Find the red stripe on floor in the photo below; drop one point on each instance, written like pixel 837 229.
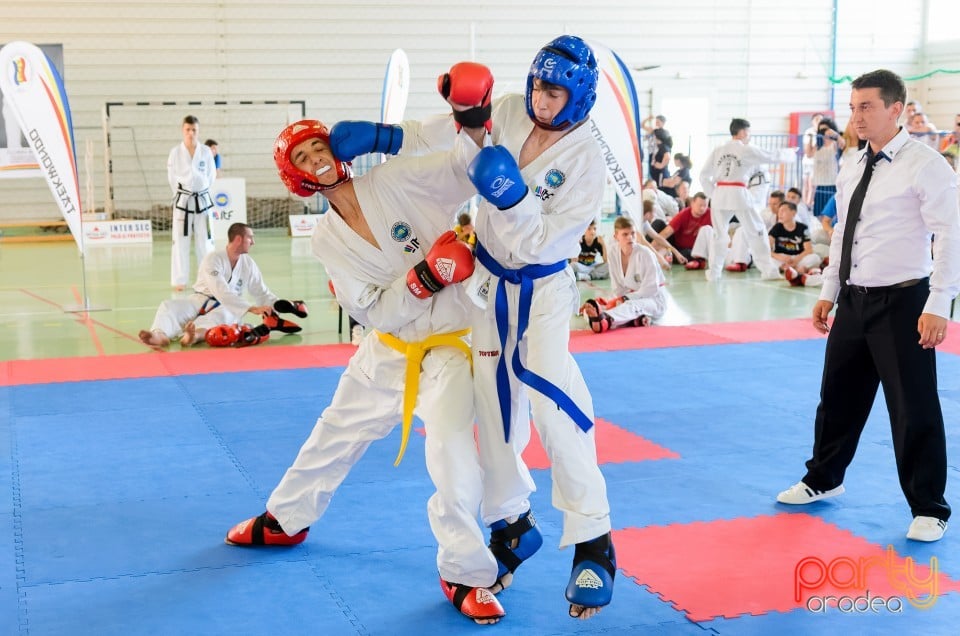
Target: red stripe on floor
pixel 584 341
pixel 274 357
pixel 614 446
pixel 763 330
pixel 173 363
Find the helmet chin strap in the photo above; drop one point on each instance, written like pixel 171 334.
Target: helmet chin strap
pixel 549 127
pixel 540 124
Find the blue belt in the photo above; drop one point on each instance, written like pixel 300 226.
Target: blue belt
pixel 523 277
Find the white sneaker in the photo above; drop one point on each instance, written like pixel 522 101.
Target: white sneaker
pixel 800 493
pixel 927 529
pixel 356 335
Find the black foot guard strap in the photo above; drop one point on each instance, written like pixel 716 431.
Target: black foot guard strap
pixel 600 551
pixel 500 541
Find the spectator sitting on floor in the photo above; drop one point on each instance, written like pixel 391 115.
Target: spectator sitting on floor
pixel 664 205
pixel 790 243
pixel 591 263
pixel 804 215
pixel 819 235
pixel 691 231
pixel 738 258
pixel 666 252
pixel 637 281
pixel 813 276
pixel 772 212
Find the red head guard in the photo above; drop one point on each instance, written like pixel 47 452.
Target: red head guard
pixel 222 335
pixel 298 181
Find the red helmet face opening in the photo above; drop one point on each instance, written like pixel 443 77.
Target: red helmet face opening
pixel 298 181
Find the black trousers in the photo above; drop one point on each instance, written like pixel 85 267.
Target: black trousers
pixel 873 342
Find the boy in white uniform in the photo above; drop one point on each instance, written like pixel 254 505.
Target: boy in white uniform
pixel 541 186
pixel 389 251
pixel 638 284
pixel 191 172
pixel 725 176
pixel 528 226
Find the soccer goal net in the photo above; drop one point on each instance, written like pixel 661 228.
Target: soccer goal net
pixel 138 138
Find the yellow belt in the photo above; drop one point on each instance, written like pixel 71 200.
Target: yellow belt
pixel 415 351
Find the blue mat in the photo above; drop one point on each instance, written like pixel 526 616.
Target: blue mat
pixel 116 496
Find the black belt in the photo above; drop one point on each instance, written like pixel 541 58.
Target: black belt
pixel 201 203
pixel 860 289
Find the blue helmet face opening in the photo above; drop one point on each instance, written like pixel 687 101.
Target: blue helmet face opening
pixel 568 62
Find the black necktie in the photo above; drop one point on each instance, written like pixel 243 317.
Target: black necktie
pixel 853 215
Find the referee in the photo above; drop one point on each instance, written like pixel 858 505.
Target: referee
pixel 893 297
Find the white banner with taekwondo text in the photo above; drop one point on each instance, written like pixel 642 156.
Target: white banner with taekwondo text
pixel 34 92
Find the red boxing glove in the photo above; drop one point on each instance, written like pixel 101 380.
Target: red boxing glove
pixel 448 261
pixel 468 84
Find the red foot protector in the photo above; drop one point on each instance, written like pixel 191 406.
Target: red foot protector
pixel 477 603
pixel 276 323
pixel 774 563
pixel 263 530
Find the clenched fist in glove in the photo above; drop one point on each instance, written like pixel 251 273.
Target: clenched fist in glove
pixel 349 139
pixel 468 84
pixel 448 261
pixel 496 175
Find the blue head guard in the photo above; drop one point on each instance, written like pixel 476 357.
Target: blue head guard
pixel 569 62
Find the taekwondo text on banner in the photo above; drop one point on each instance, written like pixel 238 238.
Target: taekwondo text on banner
pixel 36 96
pixel 615 122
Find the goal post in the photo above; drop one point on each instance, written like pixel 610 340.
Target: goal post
pixel 138 137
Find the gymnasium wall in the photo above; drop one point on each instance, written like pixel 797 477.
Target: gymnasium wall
pixel 756 58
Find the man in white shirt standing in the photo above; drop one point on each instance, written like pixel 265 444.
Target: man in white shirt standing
pixel 893 300
pixel 190 171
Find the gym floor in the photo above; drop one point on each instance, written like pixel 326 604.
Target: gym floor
pixel 121 469
pixel 43 285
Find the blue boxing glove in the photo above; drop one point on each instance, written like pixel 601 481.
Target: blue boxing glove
pixel 496 175
pixel 348 139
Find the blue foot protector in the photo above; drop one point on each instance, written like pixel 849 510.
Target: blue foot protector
pixel 512 544
pixel 594 566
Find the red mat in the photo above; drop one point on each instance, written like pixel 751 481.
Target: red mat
pixel 693 335
pixel 271 357
pixel 614 446
pixel 771 563
pixel 172 363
